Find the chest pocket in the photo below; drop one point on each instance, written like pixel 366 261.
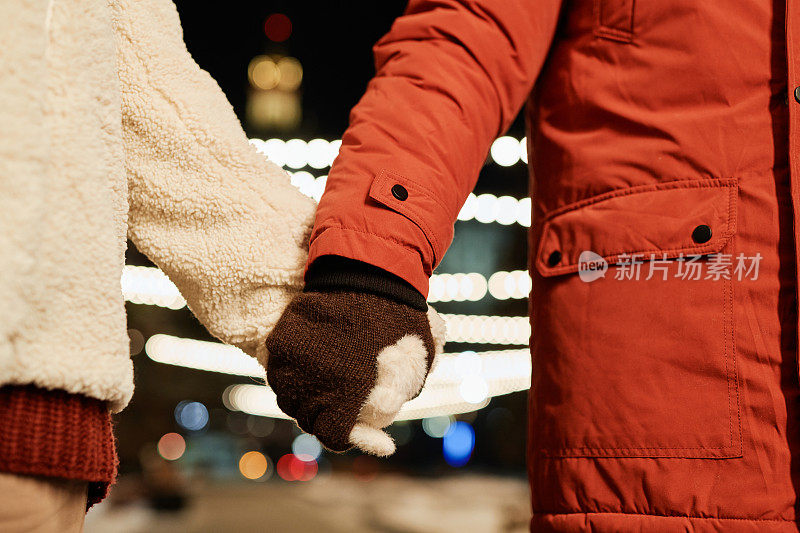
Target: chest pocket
pixel 614 19
pixel 639 366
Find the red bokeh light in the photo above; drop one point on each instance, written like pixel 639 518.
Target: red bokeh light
pixel 292 468
pixel 278 27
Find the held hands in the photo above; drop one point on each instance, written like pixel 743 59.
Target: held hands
pixel 343 363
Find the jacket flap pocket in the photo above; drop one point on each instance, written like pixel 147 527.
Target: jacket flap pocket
pixel 692 217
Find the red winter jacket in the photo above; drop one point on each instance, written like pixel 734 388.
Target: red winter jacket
pixel 658 131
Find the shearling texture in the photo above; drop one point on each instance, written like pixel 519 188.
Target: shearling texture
pixel 102 106
pixel 221 221
pixel 70 333
pixel 343 363
pixel 401 372
pixel 23 164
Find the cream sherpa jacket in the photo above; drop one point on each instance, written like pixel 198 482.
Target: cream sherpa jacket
pixel 108 128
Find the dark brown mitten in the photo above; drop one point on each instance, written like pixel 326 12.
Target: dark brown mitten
pixel 343 363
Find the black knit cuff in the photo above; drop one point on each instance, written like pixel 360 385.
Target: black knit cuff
pixel 335 273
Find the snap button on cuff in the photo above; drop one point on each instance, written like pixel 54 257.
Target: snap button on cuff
pixel 701 234
pixel 399 192
pixel 554 259
pixel 797 93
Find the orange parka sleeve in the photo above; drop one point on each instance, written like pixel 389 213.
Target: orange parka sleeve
pixel 451 76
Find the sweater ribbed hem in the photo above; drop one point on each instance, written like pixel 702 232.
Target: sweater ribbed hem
pixel 53 433
pixel 336 273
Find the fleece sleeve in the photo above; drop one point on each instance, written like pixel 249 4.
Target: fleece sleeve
pixel 451 76
pixel 217 217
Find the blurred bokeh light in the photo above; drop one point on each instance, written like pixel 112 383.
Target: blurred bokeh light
pixel 171 446
pixel 458 443
pixel 253 465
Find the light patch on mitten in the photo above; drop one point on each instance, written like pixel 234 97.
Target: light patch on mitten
pixel 401 371
pixel 372 440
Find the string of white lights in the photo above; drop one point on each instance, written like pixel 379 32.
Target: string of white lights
pixel 457 287
pixel 202 355
pixel 218 357
pixel 297 153
pixel 319 153
pixel 473 286
pixel 505 210
pixel 150 286
pixel 515 284
pixel 488 329
pixel 225 359
pixel 459 383
pixel 311 186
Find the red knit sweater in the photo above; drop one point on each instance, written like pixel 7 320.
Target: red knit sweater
pixel 56 434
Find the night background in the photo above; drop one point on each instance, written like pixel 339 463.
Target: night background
pixel 255 51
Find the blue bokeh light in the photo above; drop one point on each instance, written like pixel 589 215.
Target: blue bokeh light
pixel 306 447
pixel 191 415
pixel 458 443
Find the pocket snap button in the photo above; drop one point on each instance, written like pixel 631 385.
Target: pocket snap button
pixel 554 259
pixel 701 234
pixel 399 192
